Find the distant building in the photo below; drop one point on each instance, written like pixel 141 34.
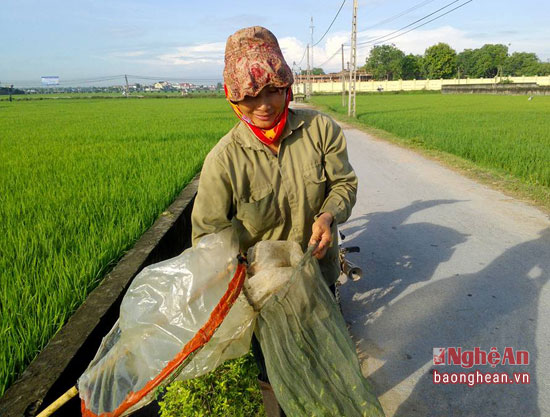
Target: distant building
pixel 162 85
pixel 333 77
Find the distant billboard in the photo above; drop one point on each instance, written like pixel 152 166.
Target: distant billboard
pixel 50 80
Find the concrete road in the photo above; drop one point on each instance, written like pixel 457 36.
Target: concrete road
pixel 448 263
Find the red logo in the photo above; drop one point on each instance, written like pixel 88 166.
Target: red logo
pixel 439 356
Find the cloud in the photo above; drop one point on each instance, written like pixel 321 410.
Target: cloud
pixel 200 61
pixel 416 42
pixel 207 58
pixel 508 32
pixel 206 53
pixel 295 50
pixel 129 54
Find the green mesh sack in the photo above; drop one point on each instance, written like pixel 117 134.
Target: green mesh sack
pixel 310 357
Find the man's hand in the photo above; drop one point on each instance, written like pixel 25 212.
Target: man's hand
pixel 322 234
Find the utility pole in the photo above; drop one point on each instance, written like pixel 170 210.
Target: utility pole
pixel 127 86
pixel 308 81
pixel 343 79
pixel 295 84
pixel 311 27
pixel 11 91
pixel 348 90
pixel 353 59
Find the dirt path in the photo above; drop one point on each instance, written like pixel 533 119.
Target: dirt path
pixel 448 263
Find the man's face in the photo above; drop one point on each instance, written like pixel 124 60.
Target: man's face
pixel 263 109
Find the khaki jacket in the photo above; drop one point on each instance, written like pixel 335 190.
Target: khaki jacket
pixel 277 197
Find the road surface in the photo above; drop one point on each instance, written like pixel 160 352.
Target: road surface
pixel 448 263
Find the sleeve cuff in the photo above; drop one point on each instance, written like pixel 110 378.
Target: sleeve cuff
pixel 334 208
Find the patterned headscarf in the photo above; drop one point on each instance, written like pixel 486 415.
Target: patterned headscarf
pixel 253 59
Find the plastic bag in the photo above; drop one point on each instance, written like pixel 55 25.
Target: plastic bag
pixel 271 265
pixel 171 305
pixel 169 327
pixel 310 357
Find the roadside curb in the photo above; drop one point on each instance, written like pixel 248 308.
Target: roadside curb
pixel 66 356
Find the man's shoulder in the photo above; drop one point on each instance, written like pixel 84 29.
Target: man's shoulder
pixel 311 116
pixel 224 146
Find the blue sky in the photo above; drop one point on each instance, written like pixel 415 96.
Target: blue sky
pixel 86 39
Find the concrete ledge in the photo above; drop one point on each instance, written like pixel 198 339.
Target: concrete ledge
pixel 67 355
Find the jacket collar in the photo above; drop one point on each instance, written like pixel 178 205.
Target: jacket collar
pixel 243 135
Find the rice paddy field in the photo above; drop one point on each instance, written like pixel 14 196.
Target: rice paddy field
pixel 506 134
pixel 80 182
pixel 117 94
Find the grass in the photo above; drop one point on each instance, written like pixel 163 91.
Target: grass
pixel 81 181
pixel 503 138
pixel 118 95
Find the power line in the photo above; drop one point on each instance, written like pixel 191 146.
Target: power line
pixel 425 23
pixel 92 80
pixel 304 54
pixel 403 13
pixel 96 78
pixel 410 24
pixel 75 82
pixel 331 58
pixel 150 77
pixel 416 27
pixel 333 20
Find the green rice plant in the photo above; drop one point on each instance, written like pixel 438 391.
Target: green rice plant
pixel 509 134
pixel 113 94
pixel 80 182
pixel 230 390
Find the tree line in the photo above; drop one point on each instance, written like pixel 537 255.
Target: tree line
pixel 386 62
pixel 5 91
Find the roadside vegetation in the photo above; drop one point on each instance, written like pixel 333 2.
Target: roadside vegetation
pixel 387 62
pixel 506 137
pixel 81 181
pixel 230 390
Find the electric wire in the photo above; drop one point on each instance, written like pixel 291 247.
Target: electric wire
pixel 120 77
pixel 333 20
pixel 371 41
pixel 322 37
pixel 88 81
pixel 300 63
pixel 397 16
pixel 409 25
pixel 330 59
pixel 95 78
pixel 425 23
pixel 149 77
